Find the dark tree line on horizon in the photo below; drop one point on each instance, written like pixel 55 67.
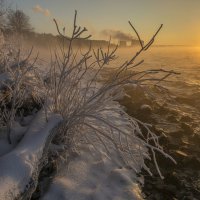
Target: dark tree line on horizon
pixel 14 21
pixel 17 22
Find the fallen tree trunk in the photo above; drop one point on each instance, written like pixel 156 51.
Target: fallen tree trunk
pixel 19 169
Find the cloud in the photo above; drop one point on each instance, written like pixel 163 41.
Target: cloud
pixel 115 34
pixel 38 9
pixel 47 12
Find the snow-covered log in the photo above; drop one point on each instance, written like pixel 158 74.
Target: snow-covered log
pixel 20 168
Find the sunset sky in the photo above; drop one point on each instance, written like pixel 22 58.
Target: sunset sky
pixel 181 18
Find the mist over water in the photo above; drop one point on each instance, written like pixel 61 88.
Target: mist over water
pixel 175 113
pixel 184 60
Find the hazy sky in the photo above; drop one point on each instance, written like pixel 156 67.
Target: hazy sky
pixel 181 18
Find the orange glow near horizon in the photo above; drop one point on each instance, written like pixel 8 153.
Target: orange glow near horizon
pixel 181 18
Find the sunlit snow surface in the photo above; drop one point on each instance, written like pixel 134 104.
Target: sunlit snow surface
pixel 92 174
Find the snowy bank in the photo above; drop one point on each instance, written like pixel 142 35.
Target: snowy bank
pixel 94 177
pixel 92 172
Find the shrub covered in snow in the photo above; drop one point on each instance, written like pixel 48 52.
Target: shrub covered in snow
pixel 19 85
pixel 87 102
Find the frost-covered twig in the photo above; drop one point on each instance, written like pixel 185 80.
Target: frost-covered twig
pixel 19 85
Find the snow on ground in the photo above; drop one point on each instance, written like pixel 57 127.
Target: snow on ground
pixel 93 177
pixel 93 174
pixel 17 132
pixel 5 147
pixel 17 166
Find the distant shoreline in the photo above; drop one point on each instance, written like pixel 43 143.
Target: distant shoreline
pixel 174 46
